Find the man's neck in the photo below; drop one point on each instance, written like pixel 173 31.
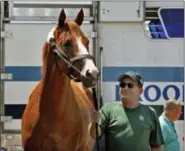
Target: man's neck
pixel 130 104
pixel 168 117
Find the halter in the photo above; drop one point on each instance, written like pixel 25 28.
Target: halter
pixel 68 60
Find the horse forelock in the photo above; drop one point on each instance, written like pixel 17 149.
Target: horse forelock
pixel 70 31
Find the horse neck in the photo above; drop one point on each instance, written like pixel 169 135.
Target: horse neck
pixel 53 87
pixel 59 90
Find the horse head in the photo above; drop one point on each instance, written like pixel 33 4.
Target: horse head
pixel 70 46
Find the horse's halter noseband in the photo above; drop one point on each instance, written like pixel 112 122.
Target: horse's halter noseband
pixel 68 60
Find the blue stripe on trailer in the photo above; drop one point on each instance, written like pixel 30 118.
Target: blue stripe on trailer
pixel 110 74
pixel 154 74
pixel 16 110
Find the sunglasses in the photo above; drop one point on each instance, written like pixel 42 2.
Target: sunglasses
pixel 129 85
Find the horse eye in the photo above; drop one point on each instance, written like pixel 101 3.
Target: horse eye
pixel 67 44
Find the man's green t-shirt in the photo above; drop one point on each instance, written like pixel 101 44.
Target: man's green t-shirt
pixel 130 129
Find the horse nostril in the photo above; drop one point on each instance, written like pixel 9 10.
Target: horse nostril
pixel 88 74
pixel 92 74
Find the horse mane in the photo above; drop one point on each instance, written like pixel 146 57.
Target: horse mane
pixel 47 68
pixel 47 60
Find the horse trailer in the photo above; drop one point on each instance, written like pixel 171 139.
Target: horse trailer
pixel 144 36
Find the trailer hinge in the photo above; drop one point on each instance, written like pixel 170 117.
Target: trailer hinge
pixel 6 34
pixel 6 118
pixel 93 34
pixel 6 76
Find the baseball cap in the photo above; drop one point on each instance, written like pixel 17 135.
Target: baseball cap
pixel 134 75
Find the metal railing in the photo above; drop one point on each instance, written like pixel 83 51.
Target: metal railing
pixel 48 11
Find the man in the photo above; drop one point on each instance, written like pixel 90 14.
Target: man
pixel 172 112
pixel 128 125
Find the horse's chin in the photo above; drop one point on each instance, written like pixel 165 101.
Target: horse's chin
pixel 88 83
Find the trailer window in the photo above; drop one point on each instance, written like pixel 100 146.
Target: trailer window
pixel 156 30
pixel 152 25
pixel 172 20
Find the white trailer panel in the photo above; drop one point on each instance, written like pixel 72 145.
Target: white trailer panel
pixel 121 11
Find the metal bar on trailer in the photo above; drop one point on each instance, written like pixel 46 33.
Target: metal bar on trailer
pixel 12 131
pixel 50 5
pixel 91 0
pixel 95 43
pixel 1 65
pixel 54 1
pixel 97 52
pixel 44 18
pixel 38 22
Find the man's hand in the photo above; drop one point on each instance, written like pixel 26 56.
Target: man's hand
pixel 95 118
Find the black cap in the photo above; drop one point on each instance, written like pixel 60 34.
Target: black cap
pixel 134 75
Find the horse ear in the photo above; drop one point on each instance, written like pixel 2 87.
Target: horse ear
pixel 80 17
pixel 61 18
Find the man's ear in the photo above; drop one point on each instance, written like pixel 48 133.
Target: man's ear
pixel 140 90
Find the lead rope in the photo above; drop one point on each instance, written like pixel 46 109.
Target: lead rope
pixel 96 108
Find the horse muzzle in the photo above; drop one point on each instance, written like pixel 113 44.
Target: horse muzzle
pixel 92 74
pixel 88 83
pixel 90 78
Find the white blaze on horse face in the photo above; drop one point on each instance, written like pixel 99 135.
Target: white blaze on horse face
pixel 89 64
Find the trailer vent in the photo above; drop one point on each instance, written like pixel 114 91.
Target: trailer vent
pixel 151 13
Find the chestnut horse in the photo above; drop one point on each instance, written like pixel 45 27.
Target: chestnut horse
pixel 57 115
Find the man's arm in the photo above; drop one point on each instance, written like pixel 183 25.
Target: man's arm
pixel 157 148
pixel 100 117
pixel 156 135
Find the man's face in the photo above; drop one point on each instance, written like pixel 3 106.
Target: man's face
pixel 130 90
pixel 177 113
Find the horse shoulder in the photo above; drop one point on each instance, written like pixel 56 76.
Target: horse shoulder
pixel 31 113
